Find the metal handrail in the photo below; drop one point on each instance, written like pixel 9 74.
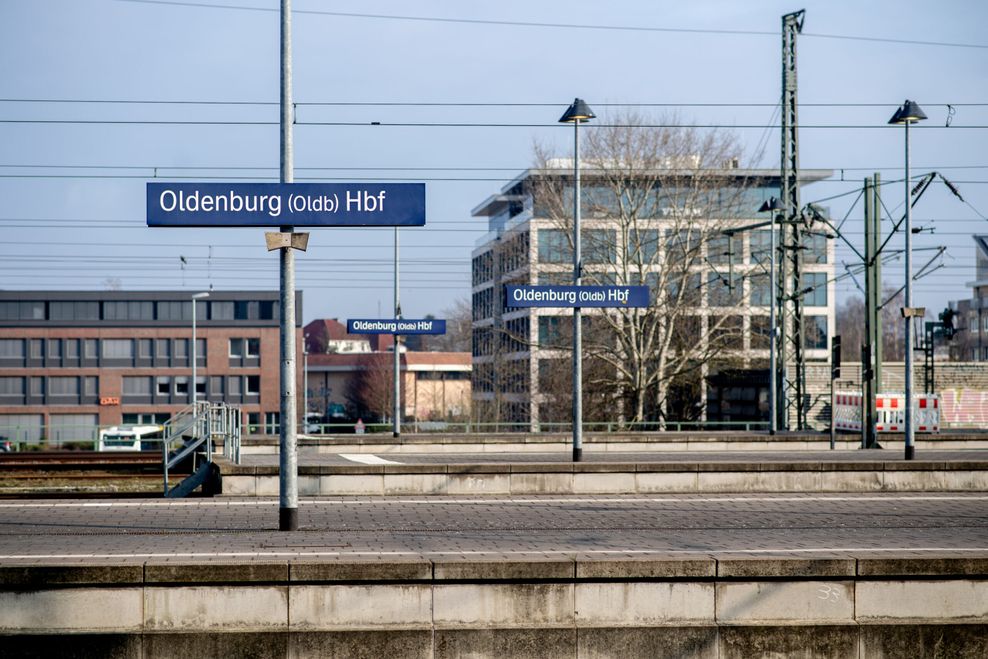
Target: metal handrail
pixel 205 420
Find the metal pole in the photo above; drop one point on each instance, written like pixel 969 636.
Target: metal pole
pixel 397 356
pixel 908 407
pixel 577 327
pixel 288 458
pixel 773 369
pixel 194 356
pixel 305 385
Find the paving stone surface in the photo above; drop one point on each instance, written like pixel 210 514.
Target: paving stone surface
pixel 437 527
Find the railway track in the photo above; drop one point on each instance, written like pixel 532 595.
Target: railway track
pixel 75 474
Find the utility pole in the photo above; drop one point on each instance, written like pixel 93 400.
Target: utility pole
pixel 792 327
pixel 868 438
pixel 396 432
pixel 288 457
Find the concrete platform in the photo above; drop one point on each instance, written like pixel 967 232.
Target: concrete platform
pixel 885 575
pixel 572 607
pixel 322 473
pixel 621 442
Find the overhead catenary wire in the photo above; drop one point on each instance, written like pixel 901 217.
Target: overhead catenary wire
pixel 553 25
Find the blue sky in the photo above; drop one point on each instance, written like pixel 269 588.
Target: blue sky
pixel 83 226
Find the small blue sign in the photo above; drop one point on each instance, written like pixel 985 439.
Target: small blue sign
pixel 396 326
pixel 576 296
pixel 285 204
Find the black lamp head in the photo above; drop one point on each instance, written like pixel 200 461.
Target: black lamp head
pixel 579 111
pixel 772 204
pixel 910 112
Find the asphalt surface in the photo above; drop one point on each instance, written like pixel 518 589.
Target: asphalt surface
pixel 134 531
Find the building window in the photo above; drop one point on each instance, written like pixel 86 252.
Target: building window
pixel 724 249
pixel 721 293
pixel 128 310
pixel 235 386
pixel 760 244
pixel 181 385
pixel 164 348
pixel 74 310
pixel 63 386
pixel 90 385
pixel 599 245
pixel 816 282
pixel 236 348
pixel 118 348
pixel 761 292
pixel 815 332
pixel 174 311
pixel 253 385
pixel 72 348
pixel 144 348
pixel 554 246
pixel 550 334
pixel 816 248
pixel 241 310
pixel 266 310
pixel 54 348
pixel 181 348
pixel 136 385
pixel 11 387
pixel 253 347
pixel 91 348
pixel 11 348
pixel 164 385
pixel 221 310
pixel 200 385
pixel 271 423
pixel 37 348
pixel 759 333
pixel 22 310
pixel 36 386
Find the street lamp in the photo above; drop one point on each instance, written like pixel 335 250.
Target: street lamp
pixel 772 205
pixel 910 112
pixel 305 383
pixel 397 357
pixel 195 357
pixel 576 114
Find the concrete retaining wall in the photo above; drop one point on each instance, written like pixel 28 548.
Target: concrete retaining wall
pixel 605 442
pixel 695 607
pixel 612 478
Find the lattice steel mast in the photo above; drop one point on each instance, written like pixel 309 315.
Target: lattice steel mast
pixel 790 302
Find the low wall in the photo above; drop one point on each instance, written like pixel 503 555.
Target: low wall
pixel 604 442
pixel 612 478
pixel 650 607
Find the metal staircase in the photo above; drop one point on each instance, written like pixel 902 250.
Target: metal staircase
pixel 189 436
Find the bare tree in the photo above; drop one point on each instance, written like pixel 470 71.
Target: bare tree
pixel 851 326
pixel 371 390
pixel 655 201
pixel 458 326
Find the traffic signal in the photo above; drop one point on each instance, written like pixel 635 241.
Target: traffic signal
pixel 835 357
pixel 947 318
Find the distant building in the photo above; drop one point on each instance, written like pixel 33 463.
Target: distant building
pixel 514 364
pixel 74 360
pixel 971 320
pixel 329 336
pixel 434 385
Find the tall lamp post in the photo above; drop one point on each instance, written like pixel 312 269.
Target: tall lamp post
pixel 910 112
pixel 397 356
pixel 576 114
pixel 195 356
pixel 773 205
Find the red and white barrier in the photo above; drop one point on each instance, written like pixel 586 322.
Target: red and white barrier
pixel 890 412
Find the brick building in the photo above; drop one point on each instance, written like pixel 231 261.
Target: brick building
pixel 74 360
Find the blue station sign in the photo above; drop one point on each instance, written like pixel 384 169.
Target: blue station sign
pixel 396 326
pixel 576 296
pixel 285 204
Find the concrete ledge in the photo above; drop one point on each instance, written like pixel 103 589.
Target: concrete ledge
pixel 717 606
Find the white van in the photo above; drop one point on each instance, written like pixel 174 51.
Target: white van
pixel 130 438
